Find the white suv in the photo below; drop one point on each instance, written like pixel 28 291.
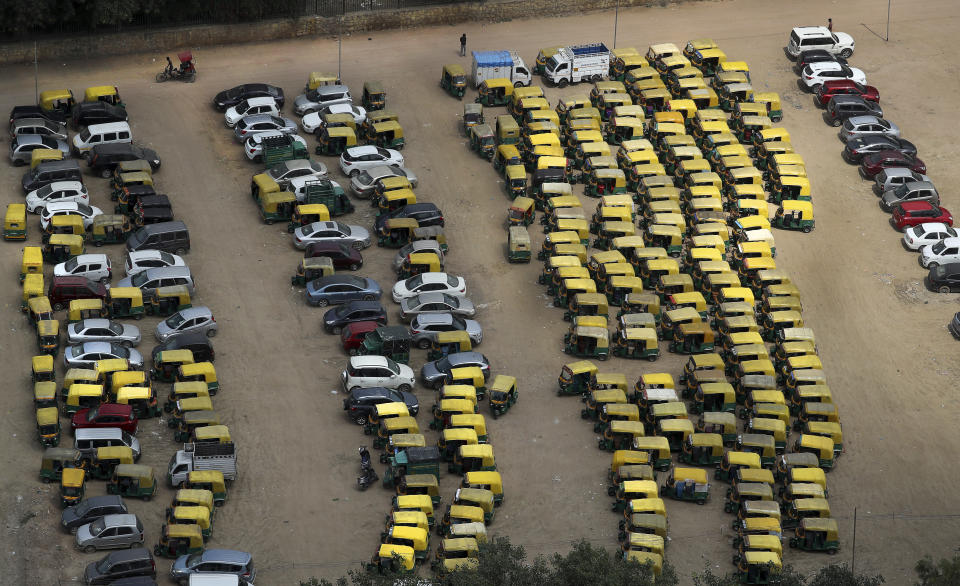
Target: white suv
pixel 815 74
pixel 944 252
pixel 808 38
pixel 95 267
pixel 377 371
pixel 355 159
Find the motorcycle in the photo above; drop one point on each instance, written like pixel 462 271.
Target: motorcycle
pixel 186 72
pixel 368 475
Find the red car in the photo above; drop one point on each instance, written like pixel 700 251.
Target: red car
pixel 913 213
pixel 343 256
pixel 846 87
pixel 352 335
pixel 871 165
pixel 106 415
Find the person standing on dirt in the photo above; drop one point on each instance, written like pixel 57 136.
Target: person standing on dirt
pixel 463 45
pixel 830 24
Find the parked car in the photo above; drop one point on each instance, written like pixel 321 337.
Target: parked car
pixel 250 107
pixel 38 126
pixel 816 56
pixel 816 74
pixel 363 183
pixel 259 123
pixel 57 192
pixel 945 252
pixel 434 374
pixel 325 95
pixel 196 342
pixel 353 335
pixel 926 234
pixel 954 326
pixel 149 280
pixel 845 87
pixel 35 111
pixel 858 148
pixel 139 261
pixel 839 108
pixel 22 147
pixel 95 267
pixel 436 303
pixel 870 165
pixel 193 319
pixel 89 510
pixel 110 532
pixel 892 178
pixel 103 330
pixel 253 145
pixel 353 311
pixel 425 327
pixel 352 235
pixel 912 213
pixel 343 256
pixel 303 169
pixel 334 289
pixel 298 185
pixel 313 121
pixel 355 159
pixel 120 565
pixel 49 171
pixel 235 95
pixel 99 112
pixel 87 354
pixel 804 38
pixel 62 208
pixel 362 400
pixel 104 158
pixel 429 283
pixel 944 278
pixel 861 126
pixel 426 214
pixel 377 371
pixel 416 246
pixel 913 191
pixel 106 415
pixel 220 561
pixel 63 290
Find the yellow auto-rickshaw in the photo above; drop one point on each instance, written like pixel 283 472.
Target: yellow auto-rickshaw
pixel 15 222
pixel 453 80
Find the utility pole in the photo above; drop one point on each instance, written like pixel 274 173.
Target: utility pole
pixel 343 10
pixel 853 563
pixel 36 73
pixel 888 20
pixel 616 19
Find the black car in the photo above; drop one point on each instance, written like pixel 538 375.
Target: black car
pixel 128 563
pixel 104 158
pixel 91 509
pixel 334 319
pixel 944 278
pixel 815 56
pixel 839 108
pixel 87 113
pixel 37 112
pixel 234 96
pixel 196 342
pixel 858 148
pixel 426 214
pixel 362 401
pixel 343 256
pixel 434 374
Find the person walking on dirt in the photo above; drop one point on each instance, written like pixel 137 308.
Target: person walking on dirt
pixel 830 24
pixel 463 45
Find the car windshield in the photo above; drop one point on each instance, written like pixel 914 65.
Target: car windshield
pixel 392 366
pixel 44 191
pixel 901 191
pixel 277 172
pixel 103 566
pixel 116 328
pixel 119 351
pixel 918 230
pixel 97 527
pixel 82 509
pixel 443 364
pixel 459 323
pixel 85 134
pixel 940 271
pixel 309 229
pixel 76 351
pixel 364 178
pixel 344 229
pixel 452 281
pixel 70 265
pixel 139 279
pixel 938 248
pixel 450 300
pixel 167 258
pixel 414 282
pixel 49 142
pixel 92 414
pixel 84 209
pixel 194 559
pixel 242 107
pixel 174 321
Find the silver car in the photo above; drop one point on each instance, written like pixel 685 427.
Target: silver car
pixel 351 235
pixel 40 126
pixel 194 319
pixel 895 177
pixel 303 169
pixel 858 126
pixel 103 330
pixel 258 123
pixel 436 303
pixel 110 532
pixel 417 246
pixel 325 95
pixel 87 354
pixel 912 191
pixel 23 145
pixel 425 327
pixel 363 183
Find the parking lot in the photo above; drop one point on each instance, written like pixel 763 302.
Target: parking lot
pixel 882 337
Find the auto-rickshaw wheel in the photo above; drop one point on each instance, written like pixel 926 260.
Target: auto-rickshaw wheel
pixel 58 307
pixel 147 497
pixel 832 551
pixel 268 221
pixel 138 316
pixel 18 163
pixel 602 357
pixel 806 229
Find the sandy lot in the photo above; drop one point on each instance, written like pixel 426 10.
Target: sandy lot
pixel 881 336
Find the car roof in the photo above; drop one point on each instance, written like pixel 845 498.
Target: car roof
pixel 933 226
pixel 227 555
pixel 342 107
pixel 417 207
pixel 332 89
pixel 196 311
pixel 811 30
pixel 135 553
pixel 104 499
pixel 465 357
pixel 96 347
pixel 362 150
pixel 371 392
pixel 171 271
pixel 333 245
pixel 144 253
pixel 863 120
pixel 92 256
pixel 358 361
pixel 33 122
pixel 56 206
pixel 295 164
pixel 187 339
pixel 430 297
pixel 339 278
pixel 60 185
pixel 120 519
pixel 72 280
pixel 95 322
pixel 920 185
pixel 362 304
pixel 824 65
pixel 434 318
pixel 850 98
pixel 433 277
pixel 260 100
pixel 916 205
pixel 260 118
pixel 23 139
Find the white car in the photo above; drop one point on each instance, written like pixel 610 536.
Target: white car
pixel 298 186
pixel 923 235
pixel 809 38
pixel 944 252
pixel 249 107
pixel 87 212
pixel 313 121
pixel 58 191
pixel 355 236
pixel 95 267
pixel 142 260
pixel 253 146
pixel 355 159
pixel 429 283
pixel 377 371
pixel 815 74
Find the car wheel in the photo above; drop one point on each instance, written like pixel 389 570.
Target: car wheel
pixel 358 245
pixel 563 83
pixel 360 419
pixel 335 330
pixel 323 302
pixel 846 53
pixel 354 267
pixel 211 333
pixel 816 88
pixel 89 549
pixel 404 388
pixel 19 163
pixel 181 251
pixel 105 173
pixel 368 298
pixel 423 344
pixel 837 122
pixel 354 173
pixel 944 289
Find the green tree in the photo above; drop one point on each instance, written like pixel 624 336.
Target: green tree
pixel 832 575
pixel 944 572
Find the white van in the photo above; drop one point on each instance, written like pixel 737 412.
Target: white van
pixel 95 134
pixel 88 440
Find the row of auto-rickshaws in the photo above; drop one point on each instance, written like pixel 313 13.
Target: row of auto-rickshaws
pixel 687 258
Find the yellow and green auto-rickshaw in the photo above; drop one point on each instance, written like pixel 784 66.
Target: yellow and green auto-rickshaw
pixel 125 302
pixel 374 96
pixel 15 222
pixel 103 93
pixel 453 79
pixel 702 449
pixel 334 140
pixel 48 336
pixel 55 461
pixel 772 102
pixel 496 91
pixel 575 377
pixel 72 485
pixel 178 539
pixel 31 262
pixel 48 424
pixel 62 247
pixel 795 215
pixel 508 131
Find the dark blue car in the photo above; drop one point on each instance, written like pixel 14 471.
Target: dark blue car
pixel 335 289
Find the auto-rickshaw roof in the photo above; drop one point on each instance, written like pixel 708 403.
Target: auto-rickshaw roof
pixel 516 172
pixel 762 558
pixel 812 504
pixel 212 432
pixel 134 393
pixel 115 452
pixel 192 387
pixel 47 416
pixel 397 223
pixel 470 512
pixel 405 422
pixel 673 425
pixel 743 459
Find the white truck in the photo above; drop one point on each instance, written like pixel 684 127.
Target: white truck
pixel 508 64
pixel 203 456
pixel 578 63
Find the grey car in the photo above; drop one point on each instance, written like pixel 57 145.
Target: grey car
pixel 894 177
pixel 87 354
pixel 324 95
pixel 91 509
pixel 23 145
pixel 436 303
pixel 434 374
pixel 425 327
pixel 341 288
pixel 417 246
pixel 221 561
pixel 103 330
pixel 110 532
pixel 118 565
pixel 912 191
pixel 149 280
pixel 363 183
pixel 40 126
pixel 283 172
pixel 258 123
pixel 859 126
pixel 351 235
pixel 192 319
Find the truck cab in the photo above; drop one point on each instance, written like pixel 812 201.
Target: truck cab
pixel 578 63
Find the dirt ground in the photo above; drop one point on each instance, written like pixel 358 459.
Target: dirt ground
pixel 881 336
